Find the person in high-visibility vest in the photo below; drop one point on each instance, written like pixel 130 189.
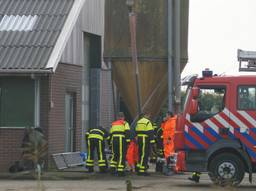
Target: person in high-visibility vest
pixel 96 141
pixel 145 136
pixel 168 127
pixel 119 138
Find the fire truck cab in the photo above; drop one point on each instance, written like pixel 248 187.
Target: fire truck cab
pixel 216 133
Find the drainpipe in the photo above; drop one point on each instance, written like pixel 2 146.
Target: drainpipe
pixel 177 59
pixel 170 54
pixel 132 22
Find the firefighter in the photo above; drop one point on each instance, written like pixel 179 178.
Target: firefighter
pixel 160 149
pixel 168 127
pixel 96 142
pixel 119 138
pixel 154 151
pixel 145 136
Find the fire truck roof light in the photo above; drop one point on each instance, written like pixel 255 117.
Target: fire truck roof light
pixel 207 72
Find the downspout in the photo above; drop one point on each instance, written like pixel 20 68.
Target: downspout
pixel 132 21
pixel 170 54
pixel 177 59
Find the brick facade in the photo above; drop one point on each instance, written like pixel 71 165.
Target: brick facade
pixel 10 147
pixel 66 79
pixel 52 115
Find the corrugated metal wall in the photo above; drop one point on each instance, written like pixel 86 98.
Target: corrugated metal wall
pixel 91 20
pixel 106 102
pixel 94 93
pixel 152 38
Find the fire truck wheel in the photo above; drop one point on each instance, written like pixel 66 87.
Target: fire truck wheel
pixel 226 169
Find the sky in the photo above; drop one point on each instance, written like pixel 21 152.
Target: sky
pixel 217 28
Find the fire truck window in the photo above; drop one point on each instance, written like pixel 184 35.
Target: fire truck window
pixel 211 101
pixel 246 98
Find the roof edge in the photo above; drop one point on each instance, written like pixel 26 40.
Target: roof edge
pixel 64 35
pixel 26 71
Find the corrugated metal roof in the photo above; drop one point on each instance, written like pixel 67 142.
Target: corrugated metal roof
pixel 29 50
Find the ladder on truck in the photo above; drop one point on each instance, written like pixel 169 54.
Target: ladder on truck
pixel 247 60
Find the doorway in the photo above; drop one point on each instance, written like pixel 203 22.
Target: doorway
pixel 69 122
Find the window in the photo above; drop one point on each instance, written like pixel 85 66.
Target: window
pixel 17 23
pixel 211 101
pixel 17 102
pixel 246 98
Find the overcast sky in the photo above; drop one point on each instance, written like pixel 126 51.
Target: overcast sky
pixel 217 28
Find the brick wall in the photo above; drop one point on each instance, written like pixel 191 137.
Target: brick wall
pixel 10 147
pixel 52 119
pixel 66 79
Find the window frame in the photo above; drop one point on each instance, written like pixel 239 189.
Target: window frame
pixel 224 101
pixel 237 96
pixel 36 122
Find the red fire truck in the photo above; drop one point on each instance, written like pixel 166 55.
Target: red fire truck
pixel 216 133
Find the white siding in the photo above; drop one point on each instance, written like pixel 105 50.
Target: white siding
pixel 91 20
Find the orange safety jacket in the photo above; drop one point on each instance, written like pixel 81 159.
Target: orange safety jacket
pixel 132 155
pixel 168 127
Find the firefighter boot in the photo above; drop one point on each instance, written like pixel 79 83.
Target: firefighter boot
pixel 90 169
pixel 120 173
pixel 103 170
pixel 112 170
pixel 159 166
pixel 195 177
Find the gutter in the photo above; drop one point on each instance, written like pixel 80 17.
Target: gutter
pixel 25 71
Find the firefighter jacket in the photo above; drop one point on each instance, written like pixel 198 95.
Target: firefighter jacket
pixel 97 133
pixel 144 128
pixel 95 142
pixel 145 137
pixel 120 127
pixel 119 136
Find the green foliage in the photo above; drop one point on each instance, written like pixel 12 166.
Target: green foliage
pixel 208 100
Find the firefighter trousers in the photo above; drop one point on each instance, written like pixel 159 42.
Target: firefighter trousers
pixel 98 145
pixel 144 151
pixel 117 162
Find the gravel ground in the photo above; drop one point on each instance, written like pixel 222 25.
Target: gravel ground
pixel 107 182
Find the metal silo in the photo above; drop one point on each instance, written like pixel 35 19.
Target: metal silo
pixel 152 46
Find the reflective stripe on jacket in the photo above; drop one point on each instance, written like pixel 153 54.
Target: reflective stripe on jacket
pixel 98 133
pixel 120 127
pixel 144 128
